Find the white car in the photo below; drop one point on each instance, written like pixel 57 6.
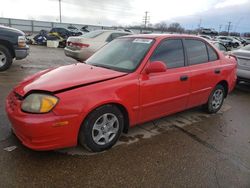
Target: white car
pixel 82 47
pixel 235 43
pixel 243 68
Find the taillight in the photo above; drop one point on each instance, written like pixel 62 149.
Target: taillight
pixel 21 41
pixel 68 43
pixel 77 44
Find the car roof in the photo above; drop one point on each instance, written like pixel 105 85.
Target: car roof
pixel 112 31
pixel 159 36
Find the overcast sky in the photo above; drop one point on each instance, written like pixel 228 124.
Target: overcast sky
pixel 189 13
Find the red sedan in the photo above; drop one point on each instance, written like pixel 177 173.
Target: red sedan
pixel 132 80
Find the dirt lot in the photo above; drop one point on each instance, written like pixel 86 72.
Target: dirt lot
pixel 188 149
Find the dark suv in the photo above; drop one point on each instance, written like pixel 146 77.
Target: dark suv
pixel 12 45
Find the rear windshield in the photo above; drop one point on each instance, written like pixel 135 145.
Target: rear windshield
pixel 92 34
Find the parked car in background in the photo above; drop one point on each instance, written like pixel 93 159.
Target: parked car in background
pixel 233 42
pixel 243 42
pixel 247 40
pixel 208 31
pixel 133 79
pixel 65 33
pixel 82 47
pixel 12 46
pixel 77 31
pixel 220 47
pixel 243 68
pixel 225 42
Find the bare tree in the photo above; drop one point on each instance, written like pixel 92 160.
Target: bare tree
pixel 246 34
pixel 175 28
pixel 162 26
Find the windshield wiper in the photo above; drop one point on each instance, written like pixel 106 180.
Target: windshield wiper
pixel 109 67
pixel 103 66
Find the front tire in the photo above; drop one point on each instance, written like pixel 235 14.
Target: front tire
pixel 216 99
pixel 5 58
pixel 102 128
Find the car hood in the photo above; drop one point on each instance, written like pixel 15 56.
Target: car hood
pixel 66 77
pixel 11 30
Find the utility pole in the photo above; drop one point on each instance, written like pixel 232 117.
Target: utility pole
pixel 229 27
pixel 220 28
pixel 60 11
pixel 199 24
pixel 146 19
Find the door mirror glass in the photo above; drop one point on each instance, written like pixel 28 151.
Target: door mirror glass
pixel 155 67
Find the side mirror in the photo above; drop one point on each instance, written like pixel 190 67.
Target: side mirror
pixel 155 67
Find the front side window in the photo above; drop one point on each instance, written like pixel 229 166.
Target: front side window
pixel 124 54
pixel 196 51
pixel 170 52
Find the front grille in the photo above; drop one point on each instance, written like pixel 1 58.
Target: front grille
pixel 13 100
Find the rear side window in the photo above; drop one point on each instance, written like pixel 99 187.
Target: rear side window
pixel 171 53
pixel 196 51
pixel 212 55
pixel 220 47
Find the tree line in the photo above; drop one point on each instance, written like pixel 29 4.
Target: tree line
pixel 175 27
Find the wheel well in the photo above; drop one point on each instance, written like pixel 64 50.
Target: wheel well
pixel 225 85
pixel 8 45
pixel 124 112
pixel 126 116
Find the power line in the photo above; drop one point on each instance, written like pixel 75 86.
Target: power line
pixel 220 26
pixel 115 8
pixel 237 24
pixel 229 27
pixel 118 7
pixel 199 24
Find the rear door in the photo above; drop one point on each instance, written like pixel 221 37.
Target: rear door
pixel 204 66
pixel 165 92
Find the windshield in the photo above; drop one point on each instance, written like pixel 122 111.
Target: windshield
pixel 92 34
pixel 123 54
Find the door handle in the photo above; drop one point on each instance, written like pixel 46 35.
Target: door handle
pixel 184 78
pixel 217 71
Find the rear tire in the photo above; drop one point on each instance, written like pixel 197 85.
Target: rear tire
pixel 102 128
pixel 5 58
pixel 215 99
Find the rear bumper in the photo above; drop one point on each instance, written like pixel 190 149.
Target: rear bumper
pixel 79 55
pixel 21 53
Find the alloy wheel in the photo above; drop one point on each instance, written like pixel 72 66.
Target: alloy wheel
pixel 105 129
pixel 217 99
